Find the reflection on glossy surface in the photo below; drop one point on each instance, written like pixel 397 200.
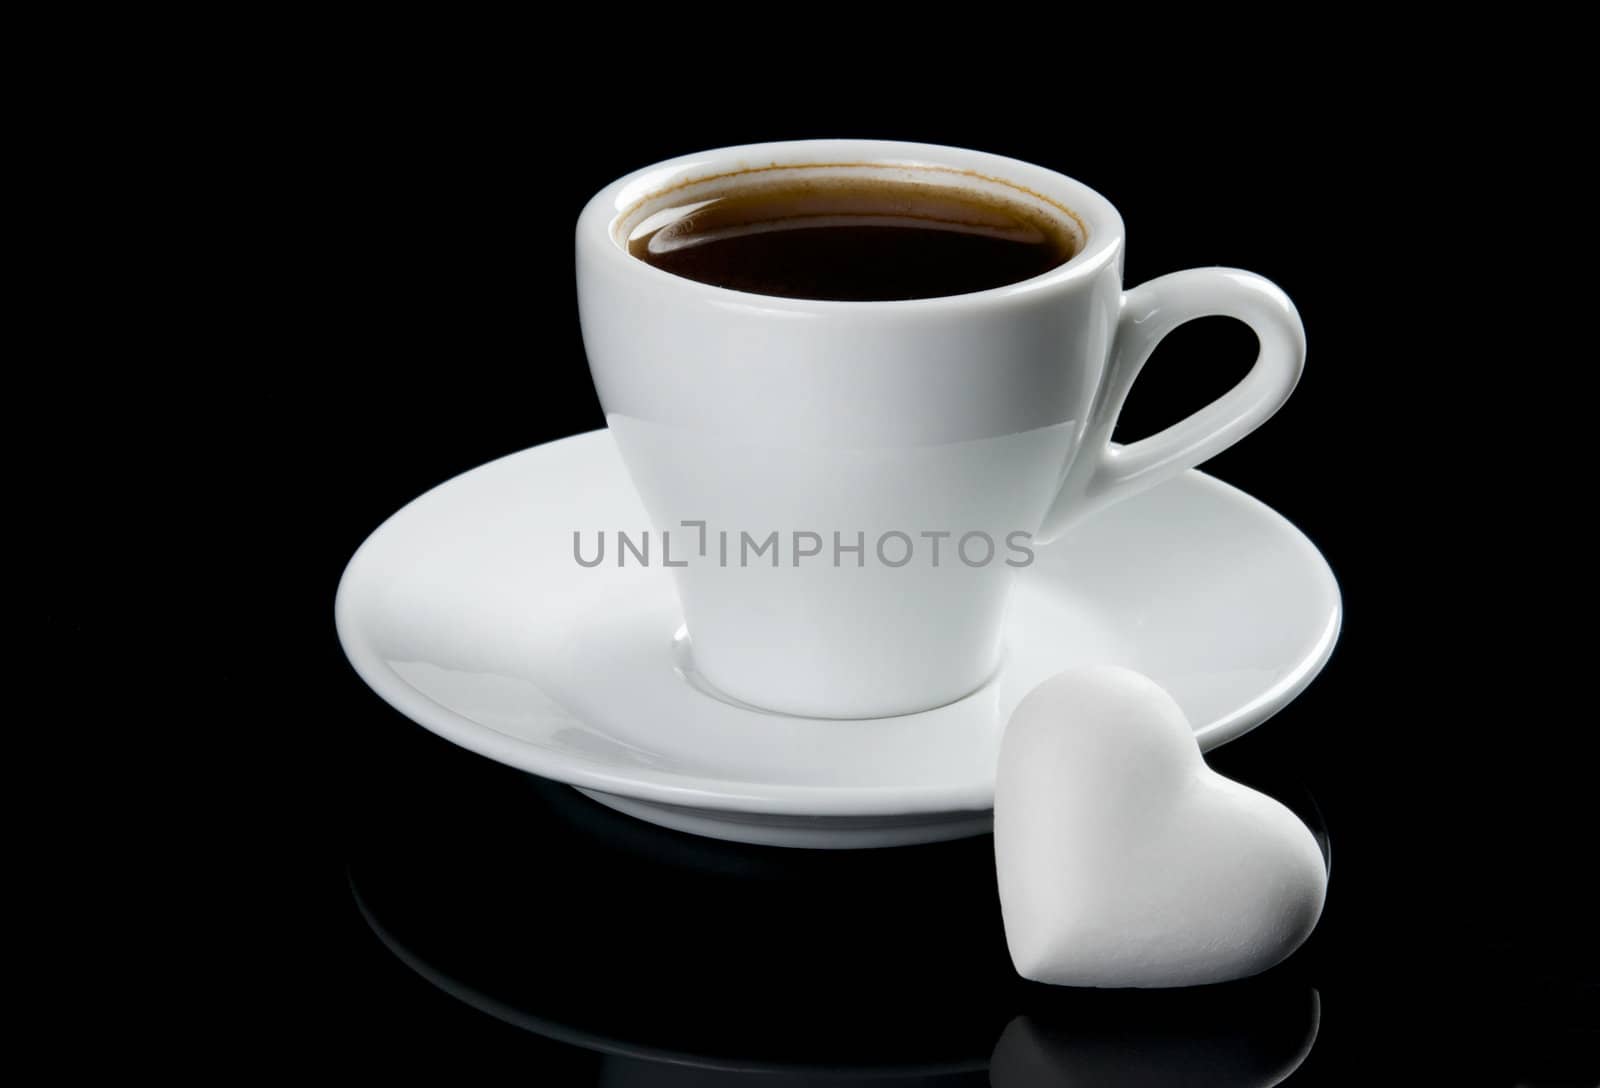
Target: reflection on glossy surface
pixel 588 927
pixel 1219 1037
pixel 633 1064
pixel 1245 1035
pixel 686 961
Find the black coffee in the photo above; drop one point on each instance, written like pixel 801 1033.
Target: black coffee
pixel 853 239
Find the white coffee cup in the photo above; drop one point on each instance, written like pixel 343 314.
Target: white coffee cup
pixel 982 415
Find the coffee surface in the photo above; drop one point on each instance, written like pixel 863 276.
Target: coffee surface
pixel 853 239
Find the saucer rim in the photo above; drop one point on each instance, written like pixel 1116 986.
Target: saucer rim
pixel 735 795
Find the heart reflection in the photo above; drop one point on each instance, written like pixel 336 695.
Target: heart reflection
pixel 1251 1036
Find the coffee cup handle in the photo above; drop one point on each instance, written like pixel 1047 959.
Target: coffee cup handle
pixel 1102 474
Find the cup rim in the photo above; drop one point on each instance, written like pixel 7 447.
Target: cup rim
pixel 1098 218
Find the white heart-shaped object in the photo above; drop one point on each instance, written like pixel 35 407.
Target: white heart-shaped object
pixel 1124 860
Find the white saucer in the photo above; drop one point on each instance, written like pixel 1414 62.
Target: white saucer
pixel 467 612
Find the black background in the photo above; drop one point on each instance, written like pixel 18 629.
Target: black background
pixel 413 315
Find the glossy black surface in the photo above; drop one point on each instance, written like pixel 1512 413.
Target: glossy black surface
pixel 564 935
pixel 658 952
pixel 362 900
